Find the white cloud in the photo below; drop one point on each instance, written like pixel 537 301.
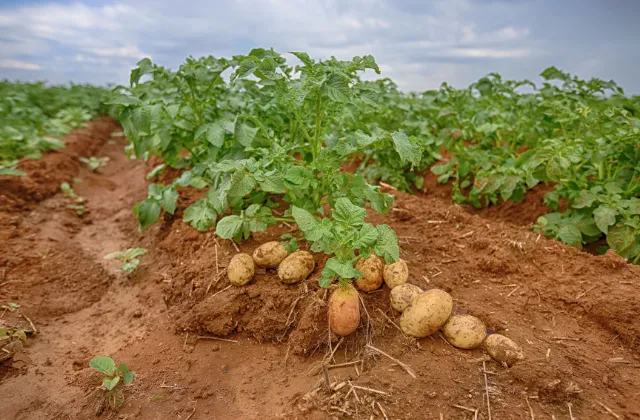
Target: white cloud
pixel 8 63
pixel 486 52
pixel 130 51
pixel 509 33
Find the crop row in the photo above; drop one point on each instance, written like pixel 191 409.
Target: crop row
pixel 33 115
pixel 255 132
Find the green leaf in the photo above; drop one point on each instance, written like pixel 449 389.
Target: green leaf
pixel 134 252
pixel 169 199
pixel 307 224
pixel 247 67
pixel 341 268
pixel 156 171
pixel 213 133
pixel 200 215
pixel 484 86
pixel 367 237
pixel 241 184
pixel 304 57
pixel 604 217
pixel 380 202
pixel 124 100
pixel 348 213
pixel 297 175
pixel 105 365
pixel 584 199
pixel 586 224
pixel 147 212
pixel 229 227
pixel 110 383
pixel 245 134
pixel 274 184
pixel 570 235
pixel 408 151
pixel 141 119
pixel 552 73
pixel 325 281
pixel 128 377
pixel 624 240
pixel 369 62
pixel 338 87
pixel 387 245
pixel 508 186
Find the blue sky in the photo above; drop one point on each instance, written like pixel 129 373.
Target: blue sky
pixel 418 43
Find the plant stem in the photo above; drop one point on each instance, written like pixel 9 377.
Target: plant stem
pixel 284 219
pixel 316 141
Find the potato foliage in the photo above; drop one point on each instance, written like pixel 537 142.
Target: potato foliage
pixel 255 131
pixel 33 115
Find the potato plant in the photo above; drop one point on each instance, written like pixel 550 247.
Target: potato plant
pixel 127 258
pixel 272 134
pixel 115 378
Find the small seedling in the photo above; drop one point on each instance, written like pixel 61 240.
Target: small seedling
pixel 11 306
pixel 112 377
pixel 79 201
pixel 95 162
pixel 6 334
pixel 128 259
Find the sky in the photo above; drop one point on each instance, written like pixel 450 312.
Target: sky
pixel 417 43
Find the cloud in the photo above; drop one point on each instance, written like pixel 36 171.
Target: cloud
pixel 129 51
pixel 418 43
pixel 7 63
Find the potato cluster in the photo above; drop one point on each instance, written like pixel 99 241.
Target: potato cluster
pixel 423 312
pixel 426 312
pixel 291 268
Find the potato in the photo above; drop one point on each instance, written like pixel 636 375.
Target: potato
pixel 296 267
pixel 241 269
pixel 464 331
pixel 426 313
pixel 372 270
pixel 503 350
pixel 344 310
pixel 396 274
pixel 402 295
pixel 269 254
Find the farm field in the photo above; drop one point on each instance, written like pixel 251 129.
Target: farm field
pixel 519 201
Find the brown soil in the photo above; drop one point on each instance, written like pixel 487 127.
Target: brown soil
pixel 574 314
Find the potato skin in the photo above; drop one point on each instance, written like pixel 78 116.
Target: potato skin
pixel 269 254
pixel 241 269
pixel 402 295
pixel 296 267
pixel 464 331
pixel 372 269
pixel 503 349
pixel 426 313
pixel 396 274
pixel 344 310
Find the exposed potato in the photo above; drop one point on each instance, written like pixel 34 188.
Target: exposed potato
pixel 396 274
pixel 464 331
pixel 296 267
pixel 372 269
pixel 402 295
pixel 241 269
pixel 426 313
pixel 269 254
pixel 502 349
pixel 344 310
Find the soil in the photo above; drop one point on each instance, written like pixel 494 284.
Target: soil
pixel 573 313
